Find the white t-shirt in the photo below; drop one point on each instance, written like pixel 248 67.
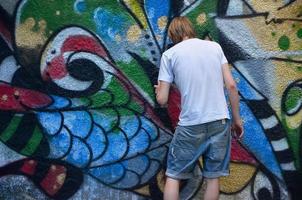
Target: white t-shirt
pixel 196 68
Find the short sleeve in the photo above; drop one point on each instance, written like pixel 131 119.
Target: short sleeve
pixel 165 70
pixel 223 59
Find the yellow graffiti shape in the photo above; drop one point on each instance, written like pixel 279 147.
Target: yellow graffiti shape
pixel 277 9
pixel 201 19
pixel 144 190
pixel 268 35
pixel 162 22
pixel 280 40
pixel 27 37
pixel 240 176
pixel 135 7
pixel 133 33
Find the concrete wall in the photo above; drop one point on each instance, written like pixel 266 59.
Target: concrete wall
pixel 78 117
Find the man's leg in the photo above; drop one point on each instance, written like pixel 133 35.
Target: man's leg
pixel 171 191
pixel 212 189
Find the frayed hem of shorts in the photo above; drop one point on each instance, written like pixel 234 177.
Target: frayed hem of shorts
pixel 182 176
pixel 215 174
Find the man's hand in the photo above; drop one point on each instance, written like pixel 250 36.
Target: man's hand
pixel 237 129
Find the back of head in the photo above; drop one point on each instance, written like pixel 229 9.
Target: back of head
pixel 179 28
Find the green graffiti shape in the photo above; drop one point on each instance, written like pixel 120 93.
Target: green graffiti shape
pixel 284 42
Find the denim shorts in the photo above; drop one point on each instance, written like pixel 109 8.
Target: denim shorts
pixel 210 140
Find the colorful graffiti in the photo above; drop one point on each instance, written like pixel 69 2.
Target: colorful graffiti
pixel 77 109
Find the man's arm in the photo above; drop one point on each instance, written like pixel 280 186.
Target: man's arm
pixel 162 92
pixel 234 99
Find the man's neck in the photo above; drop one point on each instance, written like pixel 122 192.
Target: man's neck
pixel 185 38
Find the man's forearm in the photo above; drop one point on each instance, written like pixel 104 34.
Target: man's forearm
pixel 162 101
pixel 234 100
pixel 162 92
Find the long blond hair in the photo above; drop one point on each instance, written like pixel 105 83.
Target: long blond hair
pixel 179 28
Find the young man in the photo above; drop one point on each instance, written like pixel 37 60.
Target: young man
pixel 199 70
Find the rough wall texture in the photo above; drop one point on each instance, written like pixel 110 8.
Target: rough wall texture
pixel 78 118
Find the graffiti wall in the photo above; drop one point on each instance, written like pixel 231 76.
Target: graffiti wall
pixel 78 116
